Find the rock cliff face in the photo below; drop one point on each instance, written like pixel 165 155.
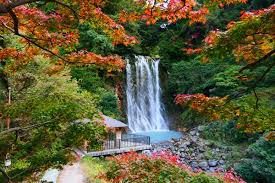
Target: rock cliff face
pixel 196 152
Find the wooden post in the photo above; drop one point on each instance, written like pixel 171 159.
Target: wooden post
pixel 118 133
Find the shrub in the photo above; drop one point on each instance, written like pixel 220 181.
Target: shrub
pixel 227 132
pixel 191 118
pixel 158 168
pixel 259 164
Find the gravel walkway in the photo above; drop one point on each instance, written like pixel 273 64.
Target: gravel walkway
pixel 71 174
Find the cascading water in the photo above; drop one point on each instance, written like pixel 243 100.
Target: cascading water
pixel 144 107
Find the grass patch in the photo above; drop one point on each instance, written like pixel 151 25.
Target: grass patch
pixel 92 167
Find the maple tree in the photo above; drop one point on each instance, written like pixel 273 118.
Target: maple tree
pixel 30 29
pixel 173 10
pixel 251 41
pixel 49 32
pixel 202 103
pixel 249 119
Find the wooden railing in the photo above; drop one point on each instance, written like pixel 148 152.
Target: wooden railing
pixel 127 141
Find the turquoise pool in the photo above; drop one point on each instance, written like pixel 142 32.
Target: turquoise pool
pixel 160 136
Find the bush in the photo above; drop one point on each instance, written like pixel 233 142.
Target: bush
pixel 191 118
pixel 227 132
pixel 259 164
pixel 158 168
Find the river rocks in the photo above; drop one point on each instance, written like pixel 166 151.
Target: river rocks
pixel 212 163
pixel 196 152
pixel 193 132
pixel 212 169
pixel 194 164
pixel 221 162
pixel 203 164
pixel 194 139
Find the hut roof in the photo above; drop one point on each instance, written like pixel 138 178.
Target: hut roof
pixel 113 123
pixel 108 121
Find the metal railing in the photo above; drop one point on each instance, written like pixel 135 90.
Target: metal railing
pixel 128 140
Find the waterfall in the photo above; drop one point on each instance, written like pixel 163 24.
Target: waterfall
pixel 145 110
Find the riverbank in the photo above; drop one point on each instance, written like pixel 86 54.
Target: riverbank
pixel 198 153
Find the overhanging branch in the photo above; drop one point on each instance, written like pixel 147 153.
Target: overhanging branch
pixel 23 128
pixel 253 64
pixel 5 8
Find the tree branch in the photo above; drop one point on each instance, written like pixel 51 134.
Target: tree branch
pixel 13 4
pixel 8 9
pixel 257 100
pixel 67 6
pixel 33 42
pixel 15 21
pixel 261 78
pixel 23 128
pixel 263 75
pixel 253 64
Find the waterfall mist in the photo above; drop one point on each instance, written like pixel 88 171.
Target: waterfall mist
pixel 145 110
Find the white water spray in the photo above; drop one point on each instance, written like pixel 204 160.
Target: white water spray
pixel 145 110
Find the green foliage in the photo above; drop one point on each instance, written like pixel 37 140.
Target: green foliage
pixel 185 79
pixel 226 132
pixel 76 134
pixel 45 107
pixel 191 118
pixel 257 116
pixel 259 164
pixel 108 104
pixel 92 80
pixel 95 42
pixel 54 98
pixel 203 178
pixel 88 78
pixel 93 167
pixel 228 79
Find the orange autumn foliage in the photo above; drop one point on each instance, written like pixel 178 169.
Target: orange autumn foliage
pixel 250 39
pixel 55 30
pixel 173 10
pixel 212 107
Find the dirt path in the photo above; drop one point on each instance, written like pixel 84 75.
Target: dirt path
pixel 71 174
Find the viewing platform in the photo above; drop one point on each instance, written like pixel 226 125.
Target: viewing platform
pixel 118 141
pixel 128 142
